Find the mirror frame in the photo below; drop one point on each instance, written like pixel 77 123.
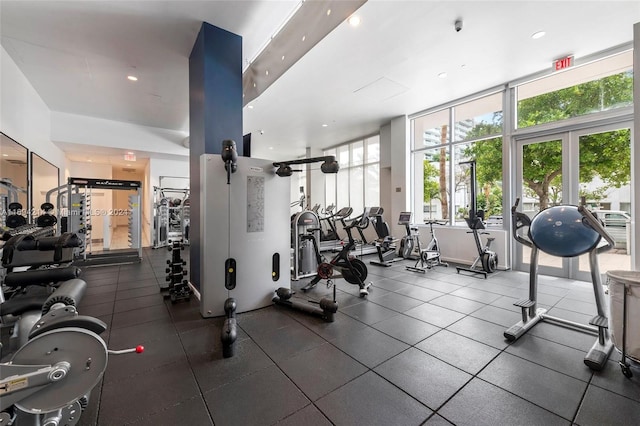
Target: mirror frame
pixel 32 158
pixel 27 206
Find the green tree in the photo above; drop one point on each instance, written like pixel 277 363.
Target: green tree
pixel 488 156
pixel 434 178
pixel 490 200
pixel 606 155
pixel 431 189
pixel 598 95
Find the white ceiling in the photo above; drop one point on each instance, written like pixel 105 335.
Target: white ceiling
pixel 77 54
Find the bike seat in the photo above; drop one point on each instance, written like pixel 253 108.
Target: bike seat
pixel 386 240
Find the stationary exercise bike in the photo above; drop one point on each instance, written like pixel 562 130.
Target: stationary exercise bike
pixel 353 270
pixel 429 256
pixel 487 258
pixel 410 241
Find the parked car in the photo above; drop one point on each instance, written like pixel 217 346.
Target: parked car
pixel 613 218
pixel 494 221
pixel 615 222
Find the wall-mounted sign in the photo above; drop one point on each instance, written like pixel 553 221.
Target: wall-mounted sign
pixel 563 63
pixel 105 183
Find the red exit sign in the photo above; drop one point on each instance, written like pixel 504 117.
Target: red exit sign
pixel 563 63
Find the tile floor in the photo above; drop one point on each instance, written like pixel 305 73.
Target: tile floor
pixel 421 350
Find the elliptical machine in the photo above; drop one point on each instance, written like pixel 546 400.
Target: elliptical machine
pixel 487 258
pixel 410 241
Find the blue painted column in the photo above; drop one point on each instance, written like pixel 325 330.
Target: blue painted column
pixel 215 114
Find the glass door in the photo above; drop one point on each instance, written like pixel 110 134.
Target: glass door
pixel 604 183
pixel 588 165
pixel 539 185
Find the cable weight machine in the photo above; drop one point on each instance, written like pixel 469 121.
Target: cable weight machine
pixel 171 214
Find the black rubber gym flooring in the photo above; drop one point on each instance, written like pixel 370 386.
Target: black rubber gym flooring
pixel 422 349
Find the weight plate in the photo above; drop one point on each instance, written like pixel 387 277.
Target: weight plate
pixel 84 350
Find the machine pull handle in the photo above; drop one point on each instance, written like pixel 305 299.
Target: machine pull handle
pixel 138 349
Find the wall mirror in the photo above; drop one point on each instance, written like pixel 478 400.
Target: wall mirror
pixel 44 177
pixel 13 177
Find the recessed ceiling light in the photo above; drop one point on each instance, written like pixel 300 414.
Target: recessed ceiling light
pixel 254 85
pixel 328 12
pixel 304 37
pixel 250 106
pixel 282 59
pixel 325 125
pixel 442 75
pixel 132 78
pixel 270 147
pixel 266 72
pixel 538 35
pixel 354 20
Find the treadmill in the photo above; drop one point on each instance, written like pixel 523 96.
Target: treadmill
pixel 341 215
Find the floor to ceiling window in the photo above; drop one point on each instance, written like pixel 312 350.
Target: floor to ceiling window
pixel 357 184
pixel 573 146
pixel 569 142
pixel 443 142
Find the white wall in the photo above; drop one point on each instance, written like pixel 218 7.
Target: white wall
pixel 73 128
pixel 458 245
pixel 23 114
pixel 160 167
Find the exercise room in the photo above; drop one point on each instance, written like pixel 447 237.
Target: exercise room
pixel 319 212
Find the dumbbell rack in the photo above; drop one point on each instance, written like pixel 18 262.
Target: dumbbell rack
pixel 178 288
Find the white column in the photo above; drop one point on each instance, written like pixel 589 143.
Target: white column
pixel 400 183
